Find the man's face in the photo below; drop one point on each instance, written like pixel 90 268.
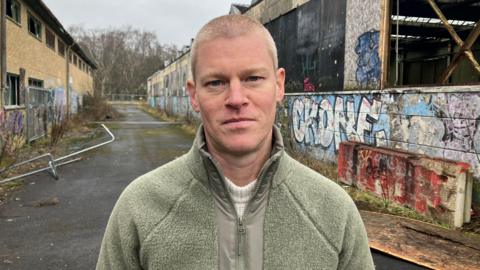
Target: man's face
pixel 236 89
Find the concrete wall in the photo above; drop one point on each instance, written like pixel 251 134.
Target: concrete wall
pixel 267 10
pixel 167 89
pixel 176 106
pixel 362 34
pixel 441 122
pixel 436 188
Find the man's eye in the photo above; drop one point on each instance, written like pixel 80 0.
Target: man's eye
pixel 253 78
pixel 215 84
pixel 253 81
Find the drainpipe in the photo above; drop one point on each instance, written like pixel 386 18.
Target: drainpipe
pixel 67 88
pixel 3 51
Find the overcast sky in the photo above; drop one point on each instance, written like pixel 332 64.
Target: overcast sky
pixel 174 21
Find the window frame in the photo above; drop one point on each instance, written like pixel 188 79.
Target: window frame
pixel 63 52
pixel 7 99
pixel 35 82
pixel 31 17
pixel 19 10
pixel 47 32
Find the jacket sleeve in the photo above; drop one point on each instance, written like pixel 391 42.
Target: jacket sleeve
pixel 355 253
pixel 120 245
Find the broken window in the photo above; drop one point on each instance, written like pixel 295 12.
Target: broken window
pixel 34 26
pixel 13 10
pixel 35 82
pixel 61 47
pixel 434 42
pixel 75 60
pixel 50 38
pixel 12 93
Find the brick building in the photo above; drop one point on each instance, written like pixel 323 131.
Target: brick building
pixel 45 67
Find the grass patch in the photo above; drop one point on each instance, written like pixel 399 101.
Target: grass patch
pixel 188 126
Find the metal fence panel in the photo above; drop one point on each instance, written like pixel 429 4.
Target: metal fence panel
pixel 39 103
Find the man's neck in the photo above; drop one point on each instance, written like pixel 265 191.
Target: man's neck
pixel 242 170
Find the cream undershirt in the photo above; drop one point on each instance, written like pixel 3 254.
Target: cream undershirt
pixel 240 195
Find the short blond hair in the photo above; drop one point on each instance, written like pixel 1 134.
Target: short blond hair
pixel 231 26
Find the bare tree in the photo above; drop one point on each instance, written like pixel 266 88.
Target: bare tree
pixel 125 57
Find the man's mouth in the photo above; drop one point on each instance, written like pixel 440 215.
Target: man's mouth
pixel 237 120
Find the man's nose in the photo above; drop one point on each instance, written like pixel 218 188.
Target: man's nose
pixel 236 94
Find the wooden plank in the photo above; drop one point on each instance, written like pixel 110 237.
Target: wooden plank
pixel 465 49
pixel 385 43
pixel 422 243
pixel 444 20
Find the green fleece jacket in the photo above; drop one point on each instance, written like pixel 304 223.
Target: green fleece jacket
pixel 166 219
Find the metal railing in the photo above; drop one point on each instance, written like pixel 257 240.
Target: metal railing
pixel 53 163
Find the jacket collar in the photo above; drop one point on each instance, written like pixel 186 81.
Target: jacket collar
pixel 206 170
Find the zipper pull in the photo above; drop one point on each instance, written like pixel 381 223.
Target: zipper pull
pixel 240 241
pixel 241 228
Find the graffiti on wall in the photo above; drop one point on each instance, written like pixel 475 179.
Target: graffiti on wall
pixel 430 186
pixel 11 130
pixel 325 121
pixel 445 125
pixel 368 61
pixel 13 122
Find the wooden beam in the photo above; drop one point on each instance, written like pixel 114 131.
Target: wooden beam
pixel 385 43
pixel 464 46
pixel 444 20
pixel 465 50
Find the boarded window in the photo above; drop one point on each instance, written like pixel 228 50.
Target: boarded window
pixel 34 26
pixel 12 94
pixel 50 39
pixel 13 10
pixel 61 47
pixel 311 45
pixel 35 82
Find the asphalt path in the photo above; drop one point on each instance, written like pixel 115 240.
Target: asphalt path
pixel 67 235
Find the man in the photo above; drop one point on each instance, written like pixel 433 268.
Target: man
pixel 236 200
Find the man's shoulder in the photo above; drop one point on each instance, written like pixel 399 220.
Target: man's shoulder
pixel 304 178
pixel 315 192
pixel 150 197
pixel 163 180
pixel 155 192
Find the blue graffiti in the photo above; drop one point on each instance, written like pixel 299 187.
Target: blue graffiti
pixel 368 62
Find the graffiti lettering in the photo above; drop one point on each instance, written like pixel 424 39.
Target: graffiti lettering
pixel 319 123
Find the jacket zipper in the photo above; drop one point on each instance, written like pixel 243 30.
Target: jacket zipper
pixel 241 235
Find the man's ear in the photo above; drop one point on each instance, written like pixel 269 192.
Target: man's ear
pixel 280 83
pixel 192 92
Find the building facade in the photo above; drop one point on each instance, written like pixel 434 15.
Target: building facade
pixel 397 74
pixel 45 68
